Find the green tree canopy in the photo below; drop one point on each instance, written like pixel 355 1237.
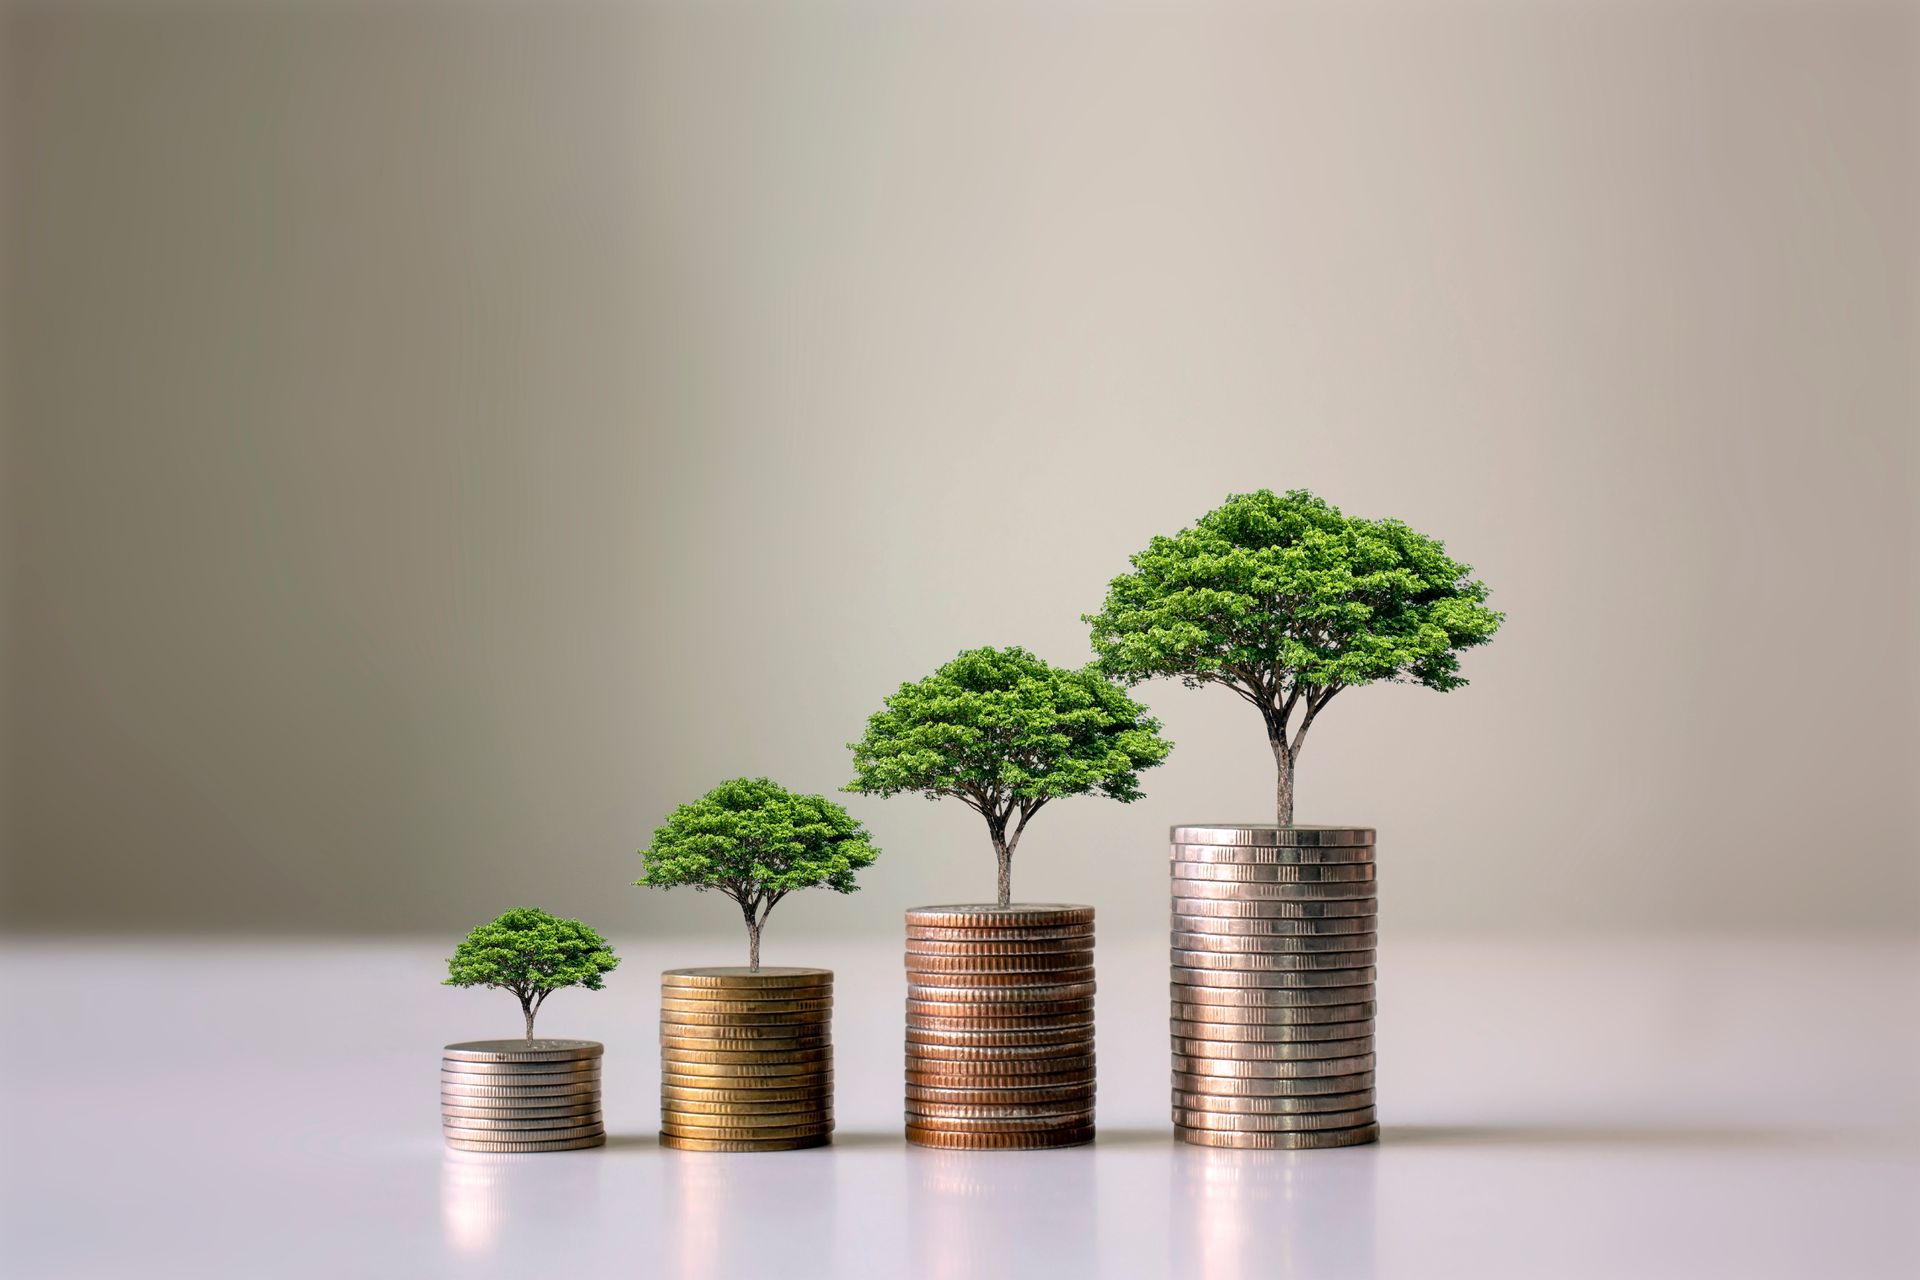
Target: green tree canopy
pixel 1005 733
pixel 532 954
pixel 1287 602
pixel 756 842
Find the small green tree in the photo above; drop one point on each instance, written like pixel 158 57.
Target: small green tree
pixel 1287 602
pixel 532 954
pixel 756 842
pixel 1005 733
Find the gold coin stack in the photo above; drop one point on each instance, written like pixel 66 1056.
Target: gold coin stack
pixel 746 1059
pixel 1273 1000
pixel 1000 1026
pixel 521 1095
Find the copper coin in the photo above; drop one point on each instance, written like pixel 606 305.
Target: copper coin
pixel 997 1053
pixel 978 1069
pixel 1020 981
pixel 977 915
pixel 1003 1124
pixel 924 1137
pixel 1048 1023
pixel 997 994
pixel 1079 1033
pixel 1034 1096
pixel 981 1080
pixel 997 965
pixel 1002 947
pixel 1080 933
pixel 998 1110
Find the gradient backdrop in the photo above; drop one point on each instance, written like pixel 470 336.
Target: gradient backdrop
pixel 444 436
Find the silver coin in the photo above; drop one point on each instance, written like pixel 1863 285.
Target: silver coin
pixel 1264 891
pixel 494 1124
pixel 1221 1104
pixel 1265 1033
pixel 1191 1066
pixel 1295 1051
pixel 588 1107
pixel 553 1134
pixel 1293 1122
pixel 1257 1087
pixel 1298 982
pixel 450 1089
pixel 1250 855
pixel 1274 961
pixel 1331 929
pixel 515 1082
pixel 1281 1141
pixel 507 1070
pixel 1196 908
pixel 1274 944
pixel 1232 833
pixel 522 1050
pixel 569 1144
pixel 1265 1014
pixel 1275 873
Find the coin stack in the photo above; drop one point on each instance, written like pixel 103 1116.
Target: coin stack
pixel 746 1059
pixel 521 1095
pixel 1000 1026
pixel 1272 991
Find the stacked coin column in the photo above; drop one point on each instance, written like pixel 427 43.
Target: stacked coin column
pixel 1000 1026
pixel 1273 999
pixel 746 1059
pixel 521 1095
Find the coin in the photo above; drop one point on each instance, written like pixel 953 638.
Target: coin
pixel 771 1023
pixel 744 1133
pixel 748 1057
pixel 982 1025
pixel 1076 1033
pixel 925 1137
pixel 731 977
pixel 740 1071
pixel 748 1028
pixel 978 1068
pixel 521 1070
pixel 1301 1051
pixel 798 1093
pixel 739 1008
pixel 1001 1124
pixel 948 1079
pixel 522 1050
pixel 998 1053
pixel 1187 1065
pixel 1188 989
pixel 1256 1087
pixel 1265 927
pixel 1269 1015
pixel 1232 905
pixel 1017 981
pixel 550 1114
pixel 1295 1122
pixel 455 1079
pixel 1001 947
pixel 1036 1096
pixel 671 1078
pixel 552 1133
pixel 1297 962
pixel 1271 1105
pixel 709 1044
pixel 1265 855
pixel 1275 872
pixel 571 1144
pixel 1080 934
pixel 978 915
pixel 1281 1141
pixel 1011 1013
pixel 1054 1111
pixel 1239 833
pixel 997 965
pixel 1264 1033
pixel 1273 945
pixel 454 1090
pixel 476 1125
pixel 1295 980
pixel 1264 891
pixel 759 1144
pixel 822 1107
pixel 996 994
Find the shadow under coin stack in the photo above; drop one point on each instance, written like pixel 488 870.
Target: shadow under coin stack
pixel 521 1095
pixel 1000 1026
pixel 1273 1000
pixel 746 1059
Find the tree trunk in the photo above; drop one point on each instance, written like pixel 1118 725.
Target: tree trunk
pixel 526 1008
pixel 753 946
pixel 1283 784
pixel 1005 856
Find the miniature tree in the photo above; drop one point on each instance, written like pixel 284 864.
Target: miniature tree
pixel 756 842
pixel 1286 602
pixel 532 954
pixel 1006 733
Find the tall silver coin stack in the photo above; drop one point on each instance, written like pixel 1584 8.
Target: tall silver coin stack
pixel 1273 996
pixel 521 1095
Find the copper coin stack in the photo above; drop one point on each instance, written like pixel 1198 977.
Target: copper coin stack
pixel 1273 999
pixel 746 1059
pixel 1000 1026
pixel 521 1095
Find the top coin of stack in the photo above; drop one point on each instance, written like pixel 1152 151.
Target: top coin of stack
pixel 521 1095
pixel 746 1059
pixel 1000 1026
pixel 1273 998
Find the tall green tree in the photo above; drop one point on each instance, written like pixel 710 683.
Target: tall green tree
pixel 1287 602
pixel 1006 733
pixel 755 842
pixel 531 954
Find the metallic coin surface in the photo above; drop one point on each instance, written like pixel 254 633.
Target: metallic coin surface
pixel 1263 1033
pixel 1281 1141
pixel 1277 909
pixel 1048 980
pixel 522 1050
pixel 587 1105
pixel 574 1144
pixel 670 1078
pixel 1295 1122
pixel 998 1053
pixel 1045 1095
pixel 744 1128
pixel 1253 1087
pixel 520 1070
pixel 1001 995
pixel 1036 1022
pixel 1276 962
pixel 1266 927
pixel 518 1084
pixel 1274 944
pixel 746 1029
pixel 1017 1124
pixel 1263 891
pixel 710 1044
pixel 751 1008
pixel 997 965
pixel 929 1112
pixel 818 1107
pixel 976 1069
pixel 747 1057
pixel 1275 872
pixel 450 1090
pixel 807 1094
pixel 1297 980
pixel 982 1080
pixel 478 1125
pixel 1232 833
pixel 759 1144
pixel 1269 1015
pixel 1184 1064
pixel 730 977
pixel 1080 935
pixel 552 1133
pixel 1075 1033
pixel 1263 855
pixel 740 1072
pixel 1001 947
pixel 1218 1104
pixel 1003 1015
pixel 977 915
pixel 1187 990
pixel 924 1137
pixel 677 1022
pixel 1301 1051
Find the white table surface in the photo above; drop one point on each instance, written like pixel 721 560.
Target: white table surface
pixel 1553 1110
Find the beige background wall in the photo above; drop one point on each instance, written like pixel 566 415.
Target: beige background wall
pixel 445 436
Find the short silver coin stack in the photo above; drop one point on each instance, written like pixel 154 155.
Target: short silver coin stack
pixel 521 1095
pixel 1273 986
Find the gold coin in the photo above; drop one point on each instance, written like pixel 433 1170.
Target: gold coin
pixel 1281 1141
pixel 757 1144
pixel 808 1094
pixel 671 1079
pixel 749 1057
pixel 749 1007
pixel 742 1071
pixel 709 1044
pixel 768 976
pixel 744 1132
pixel 822 1107
pixel 726 1024
pixel 1072 1137
pixel 987 915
